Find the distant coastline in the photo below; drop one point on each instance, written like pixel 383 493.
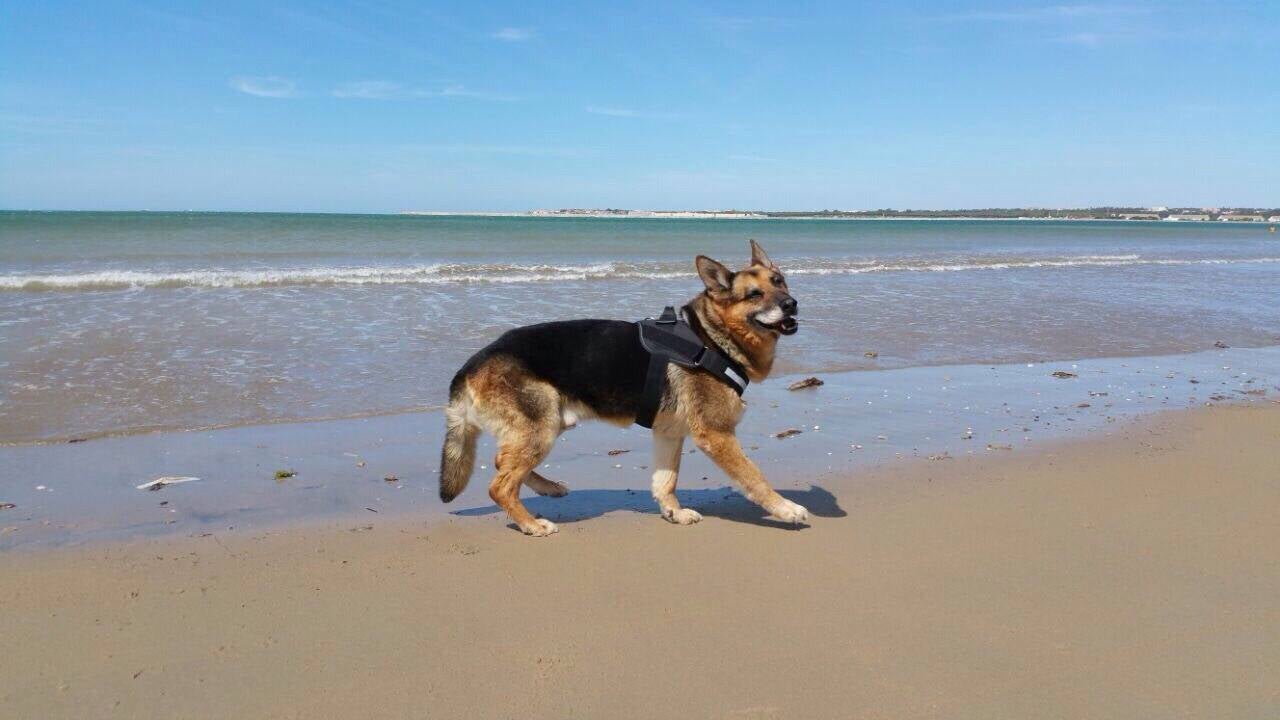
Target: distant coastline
pixel 1253 215
pixel 1259 216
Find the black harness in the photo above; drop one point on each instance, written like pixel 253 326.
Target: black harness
pixel 669 339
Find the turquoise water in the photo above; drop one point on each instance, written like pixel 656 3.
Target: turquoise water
pixel 124 322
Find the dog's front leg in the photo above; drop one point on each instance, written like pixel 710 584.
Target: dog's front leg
pixel 666 467
pixel 723 448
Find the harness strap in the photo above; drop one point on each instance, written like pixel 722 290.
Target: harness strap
pixel 670 339
pixel 655 381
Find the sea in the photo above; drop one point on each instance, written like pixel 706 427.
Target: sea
pixel 119 323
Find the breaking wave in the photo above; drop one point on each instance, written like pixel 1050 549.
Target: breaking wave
pixel 454 273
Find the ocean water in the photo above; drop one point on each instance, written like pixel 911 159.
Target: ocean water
pixel 118 323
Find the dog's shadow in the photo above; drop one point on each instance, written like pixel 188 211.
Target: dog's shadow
pixel 723 502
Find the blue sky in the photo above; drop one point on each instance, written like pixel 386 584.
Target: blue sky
pixel 385 106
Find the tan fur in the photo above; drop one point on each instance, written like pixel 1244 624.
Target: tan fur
pixel 458 455
pixel 526 414
pixel 729 327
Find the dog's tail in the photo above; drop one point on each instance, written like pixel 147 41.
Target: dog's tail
pixel 458 456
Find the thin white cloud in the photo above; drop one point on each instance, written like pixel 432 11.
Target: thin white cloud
pixel 1051 13
pixel 1086 25
pixel 622 112
pixel 370 90
pixel 463 92
pixel 512 34
pixel 388 90
pixel 267 86
pixel 48 124
pixel 737 24
pixel 476 149
pixel 1087 39
pixel 611 111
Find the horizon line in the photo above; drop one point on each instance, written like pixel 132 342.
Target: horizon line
pixel 563 211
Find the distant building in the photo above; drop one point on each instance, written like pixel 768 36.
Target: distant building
pixel 1274 218
pixel 1242 218
pixel 1139 216
pixel 1189 217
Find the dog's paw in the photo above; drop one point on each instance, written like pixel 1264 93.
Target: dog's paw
pixel 540 527
pixel 683 516
pixel 789 512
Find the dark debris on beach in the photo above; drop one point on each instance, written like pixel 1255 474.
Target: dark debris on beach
pixel 805 383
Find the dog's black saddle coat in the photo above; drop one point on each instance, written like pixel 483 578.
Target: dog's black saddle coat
pixel 669 339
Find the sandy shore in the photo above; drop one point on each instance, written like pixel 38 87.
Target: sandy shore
pixel 82 492
pixel 1130 576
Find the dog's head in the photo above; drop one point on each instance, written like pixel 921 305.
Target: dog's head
pixel 754 299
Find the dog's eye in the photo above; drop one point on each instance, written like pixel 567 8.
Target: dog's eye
pixel 754 293
pixel 778 280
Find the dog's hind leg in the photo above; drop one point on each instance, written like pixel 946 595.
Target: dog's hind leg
pixel 666 468
pixel 523 415
pixel 519 452
pixel 544 486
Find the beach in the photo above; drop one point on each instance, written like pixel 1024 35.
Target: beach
pixel 1130 573
pixel 339 376
pixel 230 347
pixel 1040 463
pixel 99 489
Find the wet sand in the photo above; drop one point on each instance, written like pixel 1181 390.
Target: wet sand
pixel 74 493
pixel 1129 575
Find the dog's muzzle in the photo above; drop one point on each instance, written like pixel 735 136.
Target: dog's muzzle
pixel 787 325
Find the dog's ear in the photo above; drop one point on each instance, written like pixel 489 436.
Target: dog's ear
pixel 759 258
pixel 717 278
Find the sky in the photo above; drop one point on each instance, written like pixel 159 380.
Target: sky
pixel 385 106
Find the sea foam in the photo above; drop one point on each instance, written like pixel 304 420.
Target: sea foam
pixel 458 273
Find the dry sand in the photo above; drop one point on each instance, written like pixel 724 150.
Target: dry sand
pixel 1131 576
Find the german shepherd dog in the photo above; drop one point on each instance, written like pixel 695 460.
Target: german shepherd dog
pixel 534 382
